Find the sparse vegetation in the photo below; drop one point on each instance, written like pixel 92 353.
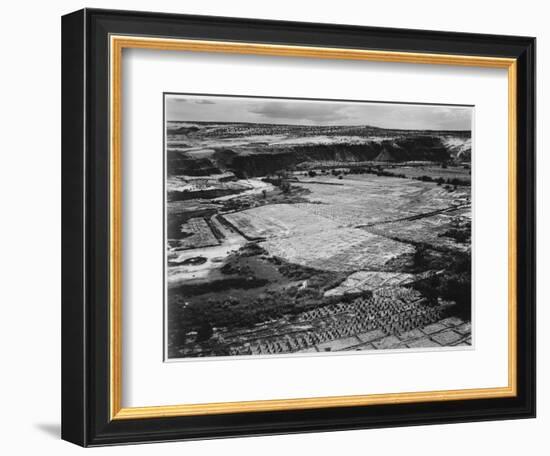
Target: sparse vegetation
pixel 453 284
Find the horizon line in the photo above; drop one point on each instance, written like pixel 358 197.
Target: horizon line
pixel 316 126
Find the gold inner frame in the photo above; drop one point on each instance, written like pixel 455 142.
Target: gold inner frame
pixel 117 44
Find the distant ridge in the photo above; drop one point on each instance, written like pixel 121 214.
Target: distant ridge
pixel 302 126
pixel 252 149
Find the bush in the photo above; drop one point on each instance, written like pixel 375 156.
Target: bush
pixel 456 181
pixel 452 285
pixel 285 187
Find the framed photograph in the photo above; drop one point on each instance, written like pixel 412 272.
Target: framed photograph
pixel 279 227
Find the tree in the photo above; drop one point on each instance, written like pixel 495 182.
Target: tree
pixel 458 288
pixel 204 332
pixel 240 174
pixel 285 187
pixel 420 262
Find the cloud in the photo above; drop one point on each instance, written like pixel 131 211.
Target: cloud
pixel 313 112
pixel 200 101
pixel 286 111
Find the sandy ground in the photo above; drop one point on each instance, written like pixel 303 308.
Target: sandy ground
pixel 214 255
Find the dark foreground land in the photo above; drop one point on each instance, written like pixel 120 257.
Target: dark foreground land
pixel 285 239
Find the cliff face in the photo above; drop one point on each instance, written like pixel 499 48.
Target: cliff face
pixel 265 162
pixel 234 152
pixel 268 159
pixel 178 163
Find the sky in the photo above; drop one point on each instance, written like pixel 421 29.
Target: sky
pixel 304 112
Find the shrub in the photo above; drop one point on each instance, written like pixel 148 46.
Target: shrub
pixel 452 285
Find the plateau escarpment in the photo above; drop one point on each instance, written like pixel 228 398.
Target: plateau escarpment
pixel 255 150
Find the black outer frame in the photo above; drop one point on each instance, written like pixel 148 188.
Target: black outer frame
pixel 85 227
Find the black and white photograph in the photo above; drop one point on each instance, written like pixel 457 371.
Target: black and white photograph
pixel 298 226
